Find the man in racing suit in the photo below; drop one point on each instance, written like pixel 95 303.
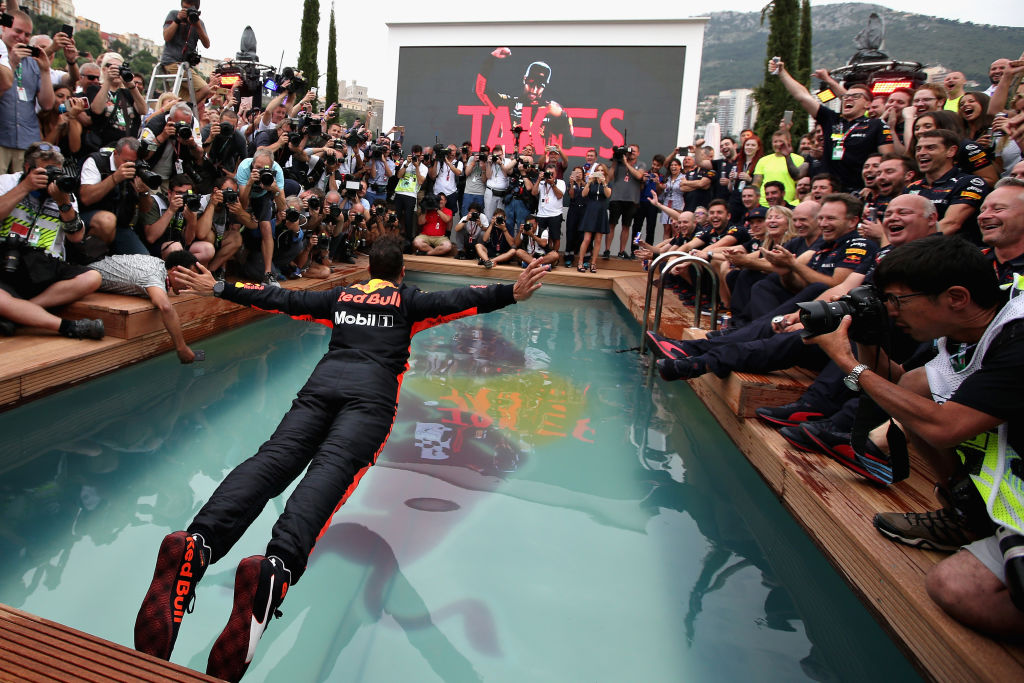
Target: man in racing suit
pixel 337 426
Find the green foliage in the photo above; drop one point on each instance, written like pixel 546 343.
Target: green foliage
pixel 89 41
pixel 332 62
pixel 772 98
pixel 308 38
pixel 803 52
pixel 42 23
pixel 347 117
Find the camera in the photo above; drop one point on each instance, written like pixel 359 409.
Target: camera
pixel 379 210
pixel 193 58
pixel 429 203
pixel 193 202
pixel 474 215
pixel 500 220
pixel 6 20
pixel 549 175
pixel 378 151
pixel 313 203
pixel 267 177
pixel 12 251
pixel 64 182
pixel 337 145
pixel 125 72
pixel 440 151
pixel 301 123
pixel 292 215
pixel 227 129
pixel 144 172
pixel 192 15
pixel 230 196
pixel 619 153
pixel 356 137
pixel 870 319
pixel 183 129
pixel 333 212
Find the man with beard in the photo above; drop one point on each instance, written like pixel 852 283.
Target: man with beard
pixel 894 173
pixel 995 74
pixel 957 195
pixel 556 126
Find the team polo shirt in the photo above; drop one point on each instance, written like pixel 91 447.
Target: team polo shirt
pixel 695 198
pixel 708 235
pixel 741 234
pixel 1007 269
pixel 798 245
pixel 848 144
pixel 955 187
pixel 972 157
pixel 849 251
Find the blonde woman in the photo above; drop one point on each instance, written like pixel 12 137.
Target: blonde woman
pixel 746 264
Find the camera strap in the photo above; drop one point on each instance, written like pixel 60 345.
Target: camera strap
pixel 869 415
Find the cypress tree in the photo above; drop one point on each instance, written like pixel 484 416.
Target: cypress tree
pixel 332 62
pixel 783 38
pixel 308 39
pixel 803 65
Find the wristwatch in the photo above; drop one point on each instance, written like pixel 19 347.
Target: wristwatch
pixel 218 289
pixel 852 381
pixel 64 208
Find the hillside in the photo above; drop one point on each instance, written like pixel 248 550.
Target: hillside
pixel 734 43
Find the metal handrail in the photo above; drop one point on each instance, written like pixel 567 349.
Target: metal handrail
pixel 647 294
pixel 696 262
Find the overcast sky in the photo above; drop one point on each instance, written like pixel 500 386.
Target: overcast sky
pixel 362 36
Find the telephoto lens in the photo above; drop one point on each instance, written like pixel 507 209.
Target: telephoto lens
pixel 230 196
pixel 267 177
pixel 292 215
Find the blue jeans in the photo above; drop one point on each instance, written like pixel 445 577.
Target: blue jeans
pixel 515 214
pixel 469 199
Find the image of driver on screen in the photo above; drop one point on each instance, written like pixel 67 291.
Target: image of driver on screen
pixel 556 127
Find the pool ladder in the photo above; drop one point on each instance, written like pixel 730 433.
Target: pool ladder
pixel 677 258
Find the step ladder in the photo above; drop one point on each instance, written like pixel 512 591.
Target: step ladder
pixel 184 73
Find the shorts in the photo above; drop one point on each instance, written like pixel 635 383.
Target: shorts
pixel 987 552
pixel 37 271
pixel 197 82
pixel 13 159
pixel 433 240
pixel 262 207
pixel 553 224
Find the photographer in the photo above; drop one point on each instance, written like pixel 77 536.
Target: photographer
pixel 469 233
pixel 291 241
pixel 116 105
pixel 172 223
pixel 445 172
pixel 335 224
pixel 498 242
pixel 549 191
pixel 225 220
pixel 473 192
pixel 496 173
pixel 533 243
pixel 110 190
pixel 261 179
pixel 183 31
pixel 19 126
pixel 964 399
pixel 172 142
pixel 378 170
pixel 36 217
pixel 434 220
pixel 411 174
pixel 223 144
pixel 627 181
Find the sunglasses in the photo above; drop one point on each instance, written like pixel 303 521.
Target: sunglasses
pixel 90 78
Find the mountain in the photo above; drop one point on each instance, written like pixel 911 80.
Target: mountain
pixel 734 43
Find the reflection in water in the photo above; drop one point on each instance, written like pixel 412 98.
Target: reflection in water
pixel 508 490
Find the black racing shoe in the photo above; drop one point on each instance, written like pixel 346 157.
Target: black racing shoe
pixel 945 530
pixel 270 280
pixel 260 586
pixel 180 564
pixel 681 368
pixel 789 415
pixel 86 329
pixel 873 465
pixel 797 439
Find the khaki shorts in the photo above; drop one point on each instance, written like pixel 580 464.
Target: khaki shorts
pixel 433 241
pixel 11 160
pixel 197 81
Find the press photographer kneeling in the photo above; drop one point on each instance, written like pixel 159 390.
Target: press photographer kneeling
pixel 961 409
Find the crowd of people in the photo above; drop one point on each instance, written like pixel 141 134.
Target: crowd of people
pixel 915 198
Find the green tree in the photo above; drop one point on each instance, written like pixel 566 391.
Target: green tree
pixel 772 98
pixel 88 41
pixel 347 117
pixel 803 65
pixel 332 62
pixel 308 38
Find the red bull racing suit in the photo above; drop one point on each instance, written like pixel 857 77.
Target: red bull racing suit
pixel 341 418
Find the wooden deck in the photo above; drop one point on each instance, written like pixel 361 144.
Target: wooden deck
pixel 832 504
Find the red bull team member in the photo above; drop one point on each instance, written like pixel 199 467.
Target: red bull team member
pixel 337 426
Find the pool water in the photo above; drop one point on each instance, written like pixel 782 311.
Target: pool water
pixel 543 512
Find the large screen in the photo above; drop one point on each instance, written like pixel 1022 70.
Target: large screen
pixel 578 97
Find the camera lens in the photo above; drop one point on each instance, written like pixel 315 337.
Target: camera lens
pixel 291 215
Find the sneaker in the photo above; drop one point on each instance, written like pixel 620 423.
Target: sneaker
pixel 260 586
pixel 606 254
pixel 86 329
pixel 270 281
pixel 945 530
pixel 798 440
pixel 488 264
pixel 180 564
pixel 218 274
pixel 683 368
pixel 789 415
pixel 874 465
pixel 669 348
pixel 622 255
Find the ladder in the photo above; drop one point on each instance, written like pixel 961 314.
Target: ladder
pixel 184 73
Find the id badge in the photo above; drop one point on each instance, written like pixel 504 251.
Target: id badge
pixel 120 118
pixel 179 169
pixel 23 94
pixel 837 146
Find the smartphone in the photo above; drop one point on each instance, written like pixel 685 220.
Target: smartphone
pixel 200 354
pixel 270 85
pixel 787 116
pixel 68 30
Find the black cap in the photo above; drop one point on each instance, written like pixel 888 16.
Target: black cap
pixel 756 212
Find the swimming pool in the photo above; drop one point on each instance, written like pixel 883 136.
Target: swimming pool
pixel 539 514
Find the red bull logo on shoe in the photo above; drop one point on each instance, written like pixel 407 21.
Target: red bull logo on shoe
pixel 185 576
pixel 364 319
pixel 374 299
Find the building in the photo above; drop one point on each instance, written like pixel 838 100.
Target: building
pixel 736 110
pixel 58 9
pixel 82 24
pixel 353 93
pixel 375 113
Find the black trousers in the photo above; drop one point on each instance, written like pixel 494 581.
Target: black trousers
pixel 646 213
pixel 405 208
pixel 337 426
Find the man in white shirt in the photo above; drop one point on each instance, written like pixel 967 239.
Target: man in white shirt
pixel 549 192
pixel 496 172
pixel 533 243
pixel 445 171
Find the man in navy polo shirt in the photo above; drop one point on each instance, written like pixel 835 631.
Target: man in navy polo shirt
pixel 956 195
pixel 849 136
